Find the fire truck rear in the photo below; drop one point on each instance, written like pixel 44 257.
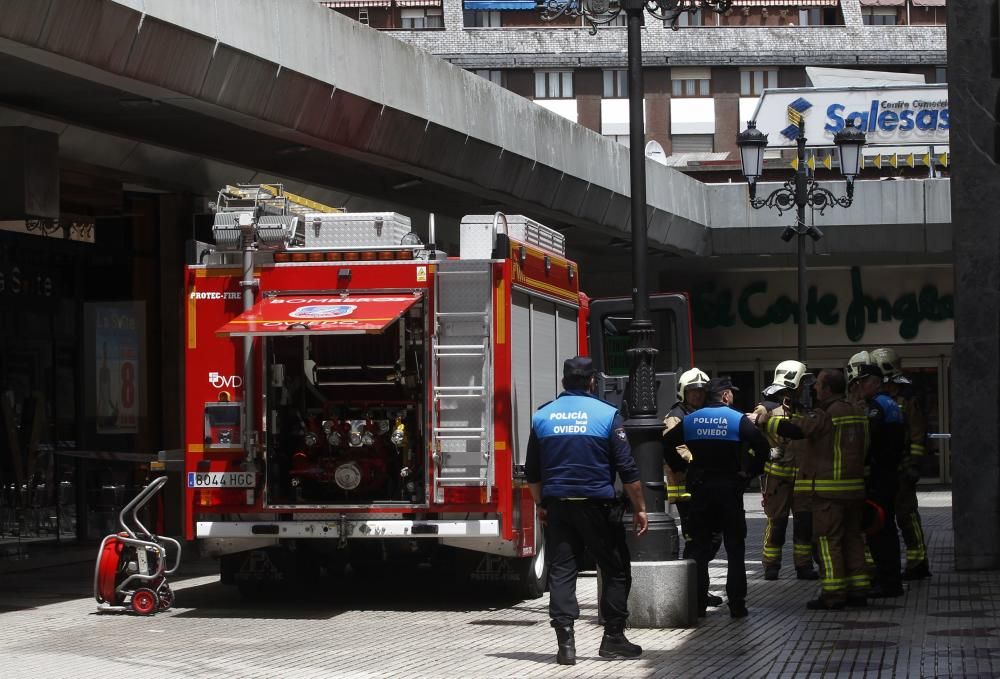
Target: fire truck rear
pixel 353 394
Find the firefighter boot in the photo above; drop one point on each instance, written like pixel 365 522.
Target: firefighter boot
pixel 615 645
pixel 771 572
pixel 917 572
pixel 806 574
pixel 567 646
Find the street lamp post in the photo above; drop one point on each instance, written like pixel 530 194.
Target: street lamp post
pixel 801 190
pixel 642 424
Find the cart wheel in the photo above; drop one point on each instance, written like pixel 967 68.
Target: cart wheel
pixel 166 598
pixel 145 601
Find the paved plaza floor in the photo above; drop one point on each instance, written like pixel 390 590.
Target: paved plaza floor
pixel 394 625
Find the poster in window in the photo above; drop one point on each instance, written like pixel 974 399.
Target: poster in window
pixel 116 357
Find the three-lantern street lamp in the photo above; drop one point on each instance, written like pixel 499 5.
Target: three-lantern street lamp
pixel 799 191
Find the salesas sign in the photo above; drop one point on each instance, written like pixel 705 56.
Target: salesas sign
pixel 891 115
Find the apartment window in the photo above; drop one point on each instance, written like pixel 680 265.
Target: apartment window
pixel 482 19
pixel 753 83
pixel 421 17
pixel 615 84
pixel 691 81
pixel 879 16
pixel 493 75
pixel 811 17
pixel 553 84
pixel 940 74
pixel 690 19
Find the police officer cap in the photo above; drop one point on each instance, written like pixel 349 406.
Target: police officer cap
pixel 578 366
pixel 720 384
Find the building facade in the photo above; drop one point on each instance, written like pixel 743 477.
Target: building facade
pixel 702 82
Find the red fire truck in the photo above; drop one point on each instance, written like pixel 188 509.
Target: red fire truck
pixel 354 394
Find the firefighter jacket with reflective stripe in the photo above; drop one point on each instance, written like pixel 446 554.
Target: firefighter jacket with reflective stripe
pixel 888 438
pixel 716 436
pixel 916 424
pixel 576 446
pixel 782 461
pixel 676 490
pixel 831 464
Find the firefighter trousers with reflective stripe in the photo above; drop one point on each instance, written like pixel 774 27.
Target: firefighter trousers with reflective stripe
pixel 908 520
pixel 573 526
pixel 778 491
pixel 840 547
pixel 717 505
pixel 683 509
pixel 884 545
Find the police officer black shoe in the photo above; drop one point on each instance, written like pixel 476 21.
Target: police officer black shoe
pixel 738 609
pixel 917 572
pixel 567 646
pixel 883 592
pixel 806 574
pixel 615 645
pixel 857 600
pixel 713 600
pixel 822 605
pixel 771 572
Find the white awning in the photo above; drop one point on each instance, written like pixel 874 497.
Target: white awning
pixel 786 3
pixel 347 4
pixel 614 116
pixel 692 116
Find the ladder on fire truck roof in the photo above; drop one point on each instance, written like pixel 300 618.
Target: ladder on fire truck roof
pixel 273 198
pixel 462 372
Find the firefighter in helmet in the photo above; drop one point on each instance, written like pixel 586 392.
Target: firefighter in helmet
pixel 900 388
pixel 831 470
pixel 887 444
pixel 690 397
pixel 779 484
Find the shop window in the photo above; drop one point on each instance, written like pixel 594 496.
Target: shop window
pixel 472 19
pixel 879 16
pixel 753 83
pixel 493 75
pixel 615 84
pixel 421 17
pixel 553 84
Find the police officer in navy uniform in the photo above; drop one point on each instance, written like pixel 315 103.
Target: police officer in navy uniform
pixel 721 465
pixel 576 447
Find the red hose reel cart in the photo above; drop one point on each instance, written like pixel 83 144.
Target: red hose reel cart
pixel 131 571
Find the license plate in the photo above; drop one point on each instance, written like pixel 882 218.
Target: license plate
pixel 222 479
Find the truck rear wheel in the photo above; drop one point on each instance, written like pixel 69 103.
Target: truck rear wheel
pixel 532 571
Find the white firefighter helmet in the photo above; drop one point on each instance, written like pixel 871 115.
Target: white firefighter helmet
pixel 887 361
pixel 861 365
pixel 787 375
pixel 691 379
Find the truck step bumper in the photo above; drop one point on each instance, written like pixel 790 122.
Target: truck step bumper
pixel 364 528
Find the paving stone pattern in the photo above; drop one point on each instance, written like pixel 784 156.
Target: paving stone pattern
pixel 390 625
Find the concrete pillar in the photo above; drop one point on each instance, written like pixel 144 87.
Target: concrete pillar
pixel 974 93
pixel 656 82
pixel 726 90
pixel 589 87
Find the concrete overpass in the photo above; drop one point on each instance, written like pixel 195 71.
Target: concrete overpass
pixel 197 93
